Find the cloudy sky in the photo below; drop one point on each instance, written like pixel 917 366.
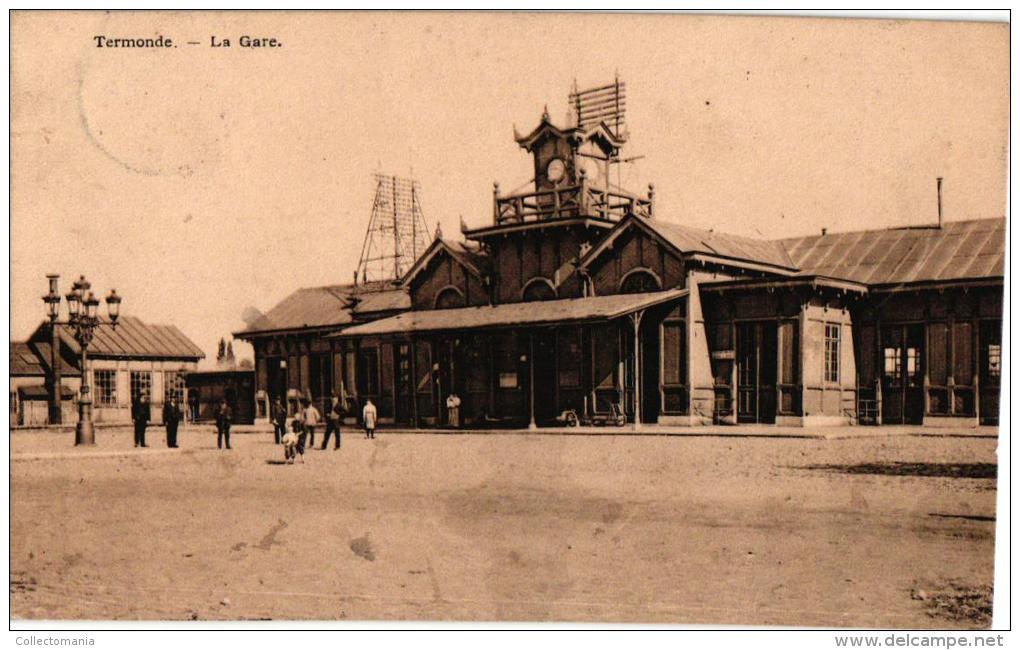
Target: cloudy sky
pixel 202 181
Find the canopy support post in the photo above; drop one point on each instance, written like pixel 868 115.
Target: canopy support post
pixel 635 320
pixel 531 380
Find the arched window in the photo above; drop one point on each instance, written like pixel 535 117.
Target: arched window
pixel 639 281
pixel 449 298
pixel 538 289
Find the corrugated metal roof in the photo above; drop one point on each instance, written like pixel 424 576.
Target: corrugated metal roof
pixel 378 301
pixel 134 338
pixel 688 240
pixel 308 307
pixel 519 314
pixel 709 242
pixel 328 306
pixel 959 250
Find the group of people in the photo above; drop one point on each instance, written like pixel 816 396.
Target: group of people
pixel 140 414
pixel 305 422
pixel 308 418
pixel 172 416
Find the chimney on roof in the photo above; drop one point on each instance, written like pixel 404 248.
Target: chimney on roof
pixel 825 231
pixel 938 189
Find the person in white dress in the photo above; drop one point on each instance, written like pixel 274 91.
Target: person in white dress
pixel 369 415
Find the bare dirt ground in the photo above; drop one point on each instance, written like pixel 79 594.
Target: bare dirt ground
pixel 876 532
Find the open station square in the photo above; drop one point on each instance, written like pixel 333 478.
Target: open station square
pixel 888 531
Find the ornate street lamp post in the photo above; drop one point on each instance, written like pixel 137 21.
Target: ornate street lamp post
pixel 83 318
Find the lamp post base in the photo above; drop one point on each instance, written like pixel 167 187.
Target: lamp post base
pixel 85 432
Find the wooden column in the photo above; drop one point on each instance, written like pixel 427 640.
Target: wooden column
pixel 635 320
pixel 531 381
pixel 412 350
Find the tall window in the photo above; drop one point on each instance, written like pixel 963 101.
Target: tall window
pixel 173 386
pixel 832 353
pixel 141 381
pixel 105 386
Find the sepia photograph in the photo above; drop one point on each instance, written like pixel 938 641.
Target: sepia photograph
pixel 507 318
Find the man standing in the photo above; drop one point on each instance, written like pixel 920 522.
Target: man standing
pixel 171 418
pixel 368 414
pixel 311 417
pixel 224 416
pixel 333 423
pixel 140 416
pixel 279 415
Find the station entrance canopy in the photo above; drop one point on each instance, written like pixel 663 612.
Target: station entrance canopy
pixel 522 314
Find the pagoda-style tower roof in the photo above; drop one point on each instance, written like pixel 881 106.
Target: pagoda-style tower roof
pixel 599 134
pixel 571 182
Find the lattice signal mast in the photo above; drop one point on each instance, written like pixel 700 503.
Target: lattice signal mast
pixel 606 104
pixel 595 108
pixel 396 234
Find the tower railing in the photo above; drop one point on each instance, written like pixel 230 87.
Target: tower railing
pixel 581 200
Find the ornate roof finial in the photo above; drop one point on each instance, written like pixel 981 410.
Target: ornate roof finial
pixel 545 113
pixel 439 230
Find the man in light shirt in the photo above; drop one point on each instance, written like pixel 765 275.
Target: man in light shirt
pixel 311 418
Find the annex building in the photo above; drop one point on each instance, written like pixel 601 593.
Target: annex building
pixel 123 362
pixel 580 295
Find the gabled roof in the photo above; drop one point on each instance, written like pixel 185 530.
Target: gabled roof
pixel 685 240
pixel 467 254
pixel 518 314
pixel 133 338
pixel 309 307
pixel 328 307
pixel 959 250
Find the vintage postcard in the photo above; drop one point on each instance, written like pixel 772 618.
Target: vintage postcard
pixel 506 317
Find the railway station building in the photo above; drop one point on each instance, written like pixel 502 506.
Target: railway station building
pixel 578 295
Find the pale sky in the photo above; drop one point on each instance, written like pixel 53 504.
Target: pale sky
pixel 201 181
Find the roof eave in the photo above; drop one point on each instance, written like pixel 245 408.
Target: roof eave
pixel 501 229
pixel 664 297
pixel 245 335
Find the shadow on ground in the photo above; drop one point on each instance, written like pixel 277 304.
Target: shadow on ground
pixel 949 470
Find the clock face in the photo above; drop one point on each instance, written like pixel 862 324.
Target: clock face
pixel 556 170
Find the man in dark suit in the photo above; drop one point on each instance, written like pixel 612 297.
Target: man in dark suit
pixel 140 416
pixel 279 415
pixel 171 418
pixel 224 416
pixel 333 419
